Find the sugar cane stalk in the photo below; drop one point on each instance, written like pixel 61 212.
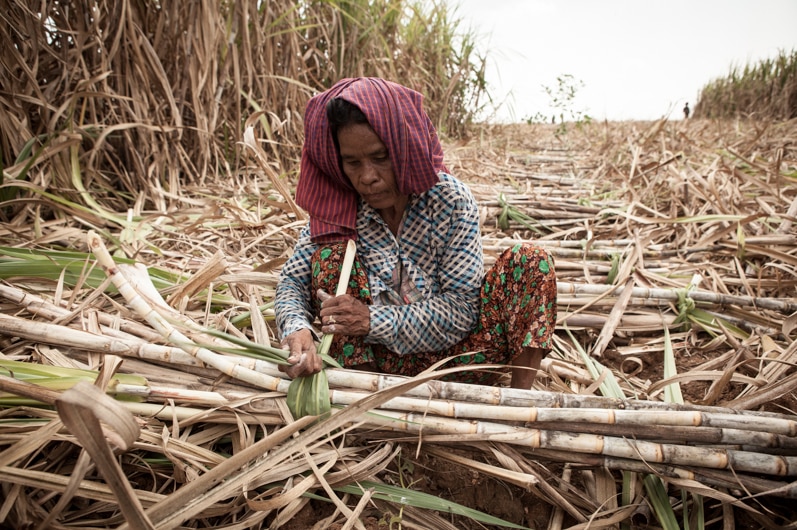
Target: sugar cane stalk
pixel 145 310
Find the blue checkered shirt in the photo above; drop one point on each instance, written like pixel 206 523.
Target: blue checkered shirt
pixel 440 248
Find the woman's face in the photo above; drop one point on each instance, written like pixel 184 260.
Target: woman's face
pixel 366 162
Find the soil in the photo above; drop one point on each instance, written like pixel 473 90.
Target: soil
pixel 448 481
pixel 451 482
pixel 500 499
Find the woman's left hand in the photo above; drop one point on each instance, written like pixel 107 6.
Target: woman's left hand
pixel 344 315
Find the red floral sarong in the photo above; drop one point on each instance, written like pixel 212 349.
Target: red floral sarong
pixel 518 310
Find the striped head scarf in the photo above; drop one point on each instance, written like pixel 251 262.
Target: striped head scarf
pixel 396 114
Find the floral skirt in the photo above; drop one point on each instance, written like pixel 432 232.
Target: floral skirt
pixel 517 310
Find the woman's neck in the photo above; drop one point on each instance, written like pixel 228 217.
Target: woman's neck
pixel 395 214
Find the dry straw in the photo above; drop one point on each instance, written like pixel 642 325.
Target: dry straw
pixel 116 122
pixel 717 447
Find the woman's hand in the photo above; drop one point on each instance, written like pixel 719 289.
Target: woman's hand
pixel 344 315
pixel 303 358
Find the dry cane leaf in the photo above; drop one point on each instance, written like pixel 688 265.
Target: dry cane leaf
pixel 789 324
pixel 81 408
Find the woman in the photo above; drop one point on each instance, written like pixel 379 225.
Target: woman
pixel 372 170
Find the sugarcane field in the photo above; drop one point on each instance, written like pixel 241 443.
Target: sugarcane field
pixel 150 156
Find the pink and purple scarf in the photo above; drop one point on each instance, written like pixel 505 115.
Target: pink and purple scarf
pixel 396 114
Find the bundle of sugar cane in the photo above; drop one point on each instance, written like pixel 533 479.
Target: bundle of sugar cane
pixel 750 434
pixel 508 455
pixel 710 457
pixel 127 346
pixel 769 433
pixel 454 392
pixel 766 433
pixel 762 432
pixel 251 466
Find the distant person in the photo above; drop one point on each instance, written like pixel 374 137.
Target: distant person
pixel 686 111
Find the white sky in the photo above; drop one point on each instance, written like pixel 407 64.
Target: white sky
pixel 637 59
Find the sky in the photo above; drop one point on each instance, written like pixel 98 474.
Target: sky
pixel 636 59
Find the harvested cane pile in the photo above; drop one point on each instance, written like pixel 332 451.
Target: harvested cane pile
pixel 669 395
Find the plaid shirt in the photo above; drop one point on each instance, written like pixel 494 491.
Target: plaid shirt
pixel 440 248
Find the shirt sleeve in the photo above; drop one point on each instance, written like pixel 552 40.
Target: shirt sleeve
pixel 440 321
pixel 292 302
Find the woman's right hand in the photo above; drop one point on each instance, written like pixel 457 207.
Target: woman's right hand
pixel 303 359
pixel 344 315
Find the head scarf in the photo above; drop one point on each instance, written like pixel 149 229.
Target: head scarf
pixel 396 114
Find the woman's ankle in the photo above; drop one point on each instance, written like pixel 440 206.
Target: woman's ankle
pixel 525 366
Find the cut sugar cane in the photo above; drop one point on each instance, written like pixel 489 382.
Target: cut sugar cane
pixel 345 274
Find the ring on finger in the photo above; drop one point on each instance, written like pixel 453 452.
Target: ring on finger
pixel 332 319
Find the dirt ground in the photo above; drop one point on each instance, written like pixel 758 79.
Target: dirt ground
pixel 452 482
pixel 499 499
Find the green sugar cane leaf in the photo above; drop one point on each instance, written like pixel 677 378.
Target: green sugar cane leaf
pixel 247 347
pixel 51 271
pixel 244 319
pixel 609 387
pixel 254 349
pixel 625 498
pixel 685 306
pixel 47 254
pixel 660 501
pixel 242 352
pixel 503 217
pixel 700 509
pixel 326 342
pixel 10 192
pixel 316 398
pixel 62 384
pixel 60 378
pixel 59 384
pixel 34 373
pixel 309 396
pixel 48 264
pixel 525 220
pixel 685 510
pixel 27 149
pixel 711 323
pixel 294 396
pixel 418 499
pixel 615 268
pixel 330 361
